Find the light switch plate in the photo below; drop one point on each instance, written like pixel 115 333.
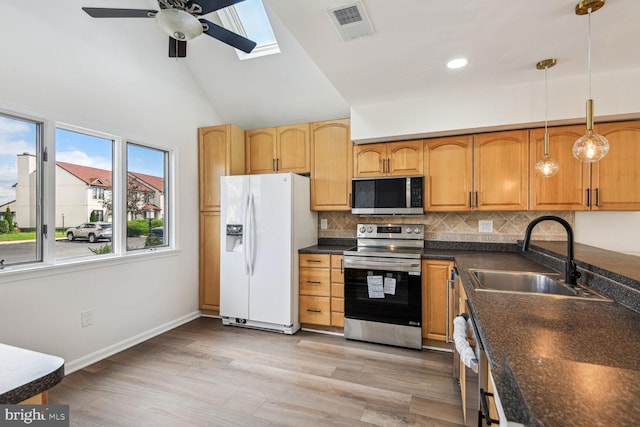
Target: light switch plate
pixel 485 226
pixel 323 223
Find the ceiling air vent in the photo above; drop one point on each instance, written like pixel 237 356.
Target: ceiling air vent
pixel 351 21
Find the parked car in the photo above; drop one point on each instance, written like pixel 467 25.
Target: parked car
pixel 155 238
pixel 93 231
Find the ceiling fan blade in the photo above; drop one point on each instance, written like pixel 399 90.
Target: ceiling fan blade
pixel 209 6
pixel 229 37
pixel 177 48
pixel 101 12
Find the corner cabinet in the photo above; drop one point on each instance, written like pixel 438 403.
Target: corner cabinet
pixel 331 161
pixel 220 152
pixel 280 149
pixel 388 159
pixel 437 300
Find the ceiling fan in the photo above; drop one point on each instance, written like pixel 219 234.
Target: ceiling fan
pixel 182 21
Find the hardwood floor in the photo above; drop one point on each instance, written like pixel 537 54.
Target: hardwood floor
pixel 206 374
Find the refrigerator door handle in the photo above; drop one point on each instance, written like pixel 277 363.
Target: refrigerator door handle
pixel 245 246
pixel 252 232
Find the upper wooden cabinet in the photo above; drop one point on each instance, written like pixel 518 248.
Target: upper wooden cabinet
pixel 331 162
pixel 448 173
pixel 567 190
pixel 402 158
pixel 220 152
pixel 281 149
pixel 486 172
pixel 615 180
pixel 501 171
pixel 612 183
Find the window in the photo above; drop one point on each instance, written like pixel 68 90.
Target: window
pixel 67 192
pixel 20 190
pixel 84 172
pixel 146 197
pixel 249 19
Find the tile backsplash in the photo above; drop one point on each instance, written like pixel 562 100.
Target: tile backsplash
pixel 454 226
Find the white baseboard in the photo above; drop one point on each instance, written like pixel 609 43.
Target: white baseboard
pixel 97 356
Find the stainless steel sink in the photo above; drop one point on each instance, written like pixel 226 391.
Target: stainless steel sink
pixel 527 282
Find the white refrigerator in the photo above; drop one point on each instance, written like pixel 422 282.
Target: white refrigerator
pixel 265 220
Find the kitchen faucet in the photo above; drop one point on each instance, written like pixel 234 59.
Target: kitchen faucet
pixel 570 270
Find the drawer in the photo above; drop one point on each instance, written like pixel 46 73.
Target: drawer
pixel 315 310
pixel 315 281
pixel 315 260
pixel 337 319
pixel 336 262
pixel 337 276
pixel 337 290
pixel 337 304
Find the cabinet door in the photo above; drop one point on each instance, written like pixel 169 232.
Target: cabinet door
pixel 212 157
pixel 615 181
pixel 448 170
pixel 261 150
pixel 435 301
pixel 369 160
pixel 405 158
pixel 501 171
pixel 567 190
pixel 331 163
pixel 292 149
pixel 210 260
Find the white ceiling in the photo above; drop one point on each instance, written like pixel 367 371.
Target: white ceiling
pixel 318 76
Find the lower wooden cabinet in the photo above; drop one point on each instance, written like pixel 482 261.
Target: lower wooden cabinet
pixel 210 261
pixel 321 288
pixel 437 301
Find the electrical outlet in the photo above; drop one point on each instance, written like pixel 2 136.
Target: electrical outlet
pixel 323 223
pixel 485 226
pixel 86 318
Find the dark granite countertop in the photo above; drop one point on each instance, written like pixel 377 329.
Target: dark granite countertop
pixel 25 373
pixel 325 249
pixel 557 361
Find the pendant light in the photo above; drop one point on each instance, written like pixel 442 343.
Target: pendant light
pixel 547 166
pixel 591 147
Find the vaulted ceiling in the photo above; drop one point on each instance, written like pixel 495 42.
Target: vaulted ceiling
pixel 319 76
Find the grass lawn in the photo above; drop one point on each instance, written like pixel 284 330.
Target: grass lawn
pixel 31 235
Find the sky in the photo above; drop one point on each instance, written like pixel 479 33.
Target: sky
pixel 17 137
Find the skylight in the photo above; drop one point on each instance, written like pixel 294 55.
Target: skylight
pixel 249 19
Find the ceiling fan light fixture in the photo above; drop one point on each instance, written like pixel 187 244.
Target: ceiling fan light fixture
pixel 179 24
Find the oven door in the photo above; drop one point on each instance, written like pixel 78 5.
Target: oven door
pixel 400 303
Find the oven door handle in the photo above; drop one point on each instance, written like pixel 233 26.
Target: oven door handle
pixel 383 264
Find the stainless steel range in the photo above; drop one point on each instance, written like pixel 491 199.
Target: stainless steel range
pixel 382 285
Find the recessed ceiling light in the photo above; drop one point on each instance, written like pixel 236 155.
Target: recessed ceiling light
pixel 457 63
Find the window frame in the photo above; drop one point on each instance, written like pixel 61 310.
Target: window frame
pixel 45 262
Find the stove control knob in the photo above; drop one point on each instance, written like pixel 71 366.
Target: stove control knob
pixel 362 229
pixel 417 230
pixel 369 229
pixel 409 230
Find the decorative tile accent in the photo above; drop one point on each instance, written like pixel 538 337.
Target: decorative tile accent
pixel 508 227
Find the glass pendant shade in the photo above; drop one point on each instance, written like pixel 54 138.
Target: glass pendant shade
pixel 547 166
pixel 179 24
pixel 591 147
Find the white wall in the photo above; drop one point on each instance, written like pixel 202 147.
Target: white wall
pixel 616 231
pixel 82 75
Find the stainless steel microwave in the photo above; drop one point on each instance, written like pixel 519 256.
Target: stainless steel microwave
pixel 397 195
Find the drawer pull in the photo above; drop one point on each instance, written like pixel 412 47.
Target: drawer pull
pixel 314 311
pixel 313 282
pixel 313 260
